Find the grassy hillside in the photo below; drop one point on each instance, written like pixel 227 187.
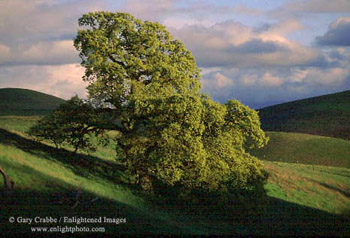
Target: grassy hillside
pixel 301 197
pixel 306 149
pixel 322 187
pixel 327 115
pixel 17 101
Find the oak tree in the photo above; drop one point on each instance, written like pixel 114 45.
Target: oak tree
pixel 74 122
pixel 169 131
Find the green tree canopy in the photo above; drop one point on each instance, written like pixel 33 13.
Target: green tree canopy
pixel 127 59
pixel 73 122
pixel 169 131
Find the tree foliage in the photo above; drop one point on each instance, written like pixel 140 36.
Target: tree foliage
pixel 73 123
pixel 169 131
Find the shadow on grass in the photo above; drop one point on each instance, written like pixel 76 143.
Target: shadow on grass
pixel 280 219
pixel 83 165
pixel 330 187
pixel 56 198
pixel 31 204
pixel 285 218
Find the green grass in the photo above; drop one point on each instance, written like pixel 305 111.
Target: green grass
pixel 38 169
pixel 18 123
pixel 45 179
pixel 327 115
pixel 322 187
pixel 306 149
pixel 25 102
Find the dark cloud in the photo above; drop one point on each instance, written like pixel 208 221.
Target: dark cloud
pixel 257 46
pixel 338 34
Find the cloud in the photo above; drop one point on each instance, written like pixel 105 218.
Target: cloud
pixel 232 44
pixel 222 81
pixel 41 53
pixel 154 10
pixel 5 52
pixel 242 9
pixel 282 28
pixel 175 13
pixel 338 33
pixel 54 52
pixel 258 46
pixel 43 20
pixel 60 80
pixel 40 32
pixel 296 9
pixel 325 77
pixel 259 65
pixel 319 6
pixel 262 87
pixel 271 80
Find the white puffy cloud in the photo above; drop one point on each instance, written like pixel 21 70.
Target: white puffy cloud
pixel 322 77
pixel 54 52
pixel 222 81
pixel 41 53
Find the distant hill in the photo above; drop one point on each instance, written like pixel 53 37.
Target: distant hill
pixel 327 115
pixel 305 149
pixel 17 101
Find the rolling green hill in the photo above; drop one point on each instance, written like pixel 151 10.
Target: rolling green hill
pixel 301 197
pixel 17 101
pixel 305 149
pixel 323 187
pixel 327 115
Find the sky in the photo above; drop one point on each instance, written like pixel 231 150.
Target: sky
pixel 261 52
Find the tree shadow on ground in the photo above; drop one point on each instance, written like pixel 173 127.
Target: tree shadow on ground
pixel 31 204
pixel 286 218
pixel 281 218
pixel 333 188
pixel 59 200
pixel 83 165
pixel 277 218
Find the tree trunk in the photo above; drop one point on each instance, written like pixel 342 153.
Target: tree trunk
pixel 8 183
